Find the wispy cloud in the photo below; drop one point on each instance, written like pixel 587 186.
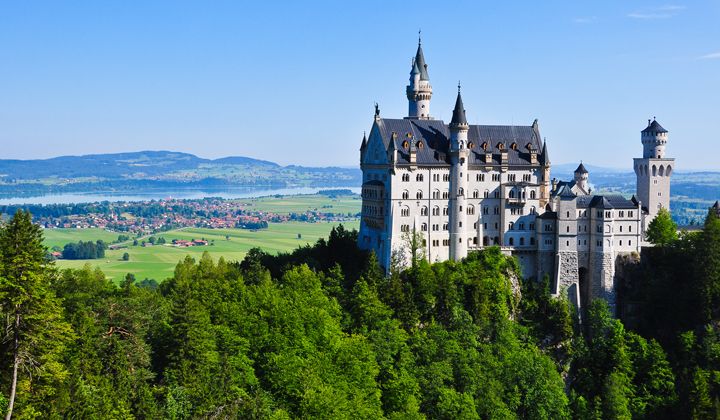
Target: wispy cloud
pixel 661 12
pixel 711 56
pixel 639 15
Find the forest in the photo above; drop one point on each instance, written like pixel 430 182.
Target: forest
pixel 322 332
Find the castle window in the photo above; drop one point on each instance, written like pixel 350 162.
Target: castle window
pixel 620 228
pixel 484 146
pixel 436 211
pixel 630 214
pixel 620 242
pixel 445 211
pixel 420 145
pixel 630 243
pixel 496 194
pixel 419 195
pixel 476 194
pixel 496 240
pixel 532 241
pixel 436 194
pixel 480 177
pixel 405 144
pixel 532 194
pixel 522 241
pixel 461 192
pixel 500 146
pixel 405 211
pixel 496 210
pixel 510 225
pixel 445 226
pixel 460 209
pixel 405 195
pixel 629 228
pixel 512 193
pixel 404 228
pixel 567 243
pixel 423 227
pixel 496 177
pixel 423 211
pixel 532 210
pixel 470 145
pixel 486 194
pixel 511 241
pixel 511 178
pixel 513 146
pixel 406 177
pixel 567 229
pixel 436 177
pixel 446 194
pixel 419 177
pixel 485 210
pixel 446 177
pixel 471 210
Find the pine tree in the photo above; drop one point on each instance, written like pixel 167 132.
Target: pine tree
pixel 35 329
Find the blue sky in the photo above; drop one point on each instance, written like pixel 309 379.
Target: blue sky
pixel 295 82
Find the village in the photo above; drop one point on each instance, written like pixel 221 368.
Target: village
pixel 154 216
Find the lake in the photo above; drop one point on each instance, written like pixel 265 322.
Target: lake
pixel 146 195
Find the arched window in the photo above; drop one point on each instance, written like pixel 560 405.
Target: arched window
pixel 419 195
pixel 661 171
pixel 461 192
pixel 420 145
pixel 436 194
pixel 471 210
pixel 406 177
pixel 532 210
pixel 484 146
pixel 405 194
pixel 500 146
pixel 423 211
pixel 532 194
pixel 405 211
pixel 486 194
pixel 512 193
pixel 405 144
pixel 470 145
pixel 436 211
pixel 445 211
pixel 476 194
pixel 513 146
pixel 419 177
pixel 654 170
pixel 423 227
pixel 669 169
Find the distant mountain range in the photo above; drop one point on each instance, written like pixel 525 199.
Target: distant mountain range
pixel 160 169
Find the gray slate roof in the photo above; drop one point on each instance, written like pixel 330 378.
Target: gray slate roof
pixel 458 116
pixel 613 201
pixel 420 62
pixel 581 169
pixel 435 138
pixel 654 127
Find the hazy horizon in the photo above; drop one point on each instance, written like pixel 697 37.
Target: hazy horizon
pixel 295 83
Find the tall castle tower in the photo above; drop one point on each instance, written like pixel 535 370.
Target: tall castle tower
pixel 458 179
pixel 653 170
pixel 419 90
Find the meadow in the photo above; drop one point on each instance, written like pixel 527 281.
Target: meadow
pixel 158 261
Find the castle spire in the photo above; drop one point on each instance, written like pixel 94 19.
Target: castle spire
pixel 458 117
pixel 419 90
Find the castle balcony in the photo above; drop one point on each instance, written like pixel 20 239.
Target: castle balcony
pixel 515 201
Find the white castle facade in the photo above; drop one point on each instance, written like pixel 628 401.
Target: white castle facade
pixel 462 187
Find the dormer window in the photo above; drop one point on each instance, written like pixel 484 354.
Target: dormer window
pixel 405 144
pixel 485 146
pixel 420 145
pixel 500 146
pixel 471 145
pixel 513 146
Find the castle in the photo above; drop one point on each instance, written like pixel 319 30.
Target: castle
pixel 459 187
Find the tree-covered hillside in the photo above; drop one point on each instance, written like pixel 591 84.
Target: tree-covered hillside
pixel 322 333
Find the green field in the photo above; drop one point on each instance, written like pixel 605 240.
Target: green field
pixel 60 237
pixel 302 203
pixel 158 262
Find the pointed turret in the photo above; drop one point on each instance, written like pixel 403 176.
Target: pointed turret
pixel 419 90
pixel 581 169
pixel 544 157
pixel 363 145
pixel 458 117
pixel 420 62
